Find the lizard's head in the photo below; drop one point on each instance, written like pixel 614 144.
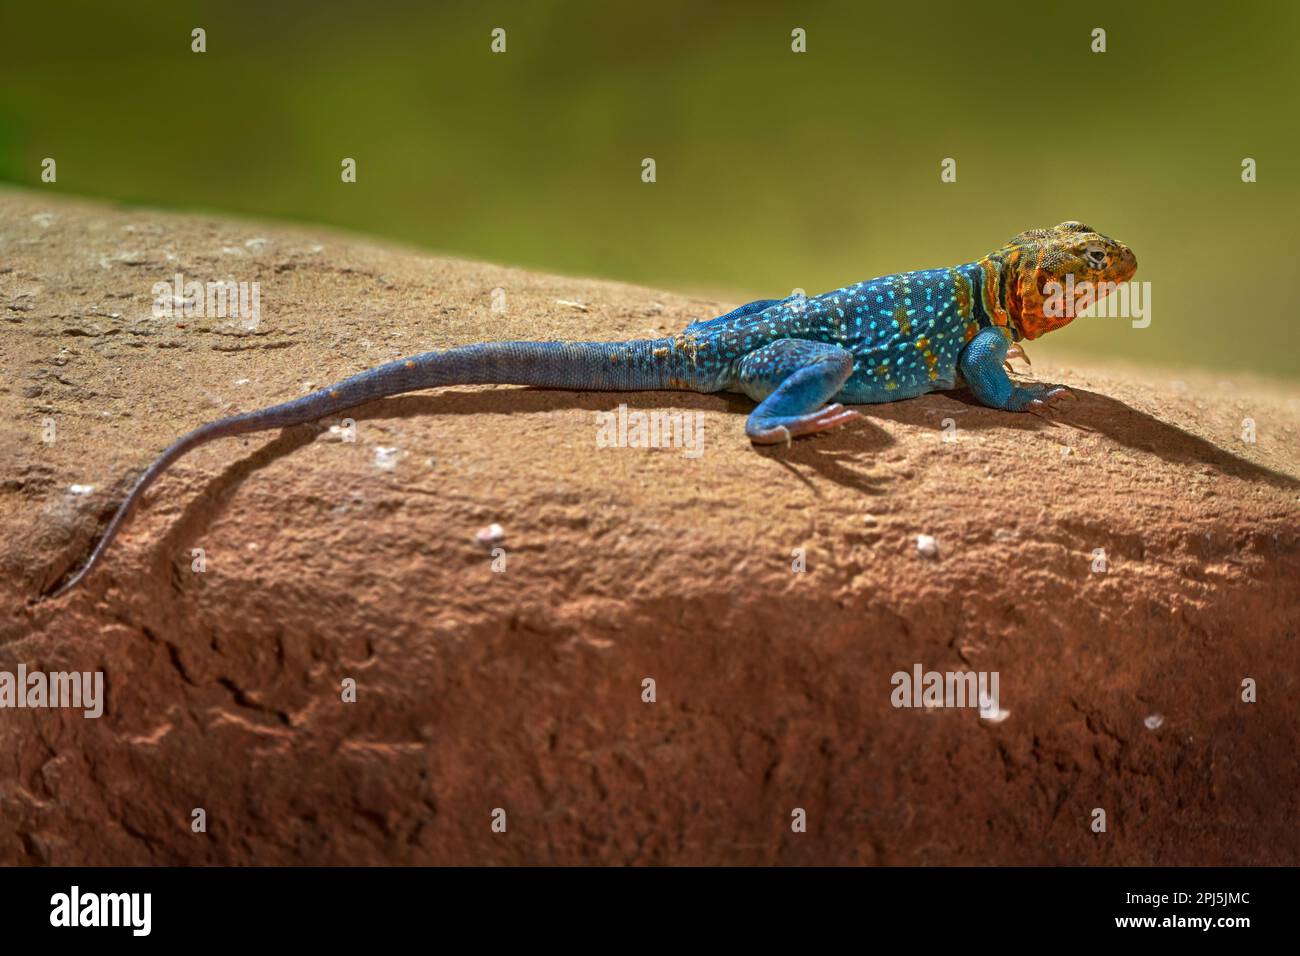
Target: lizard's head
pixel 1043 278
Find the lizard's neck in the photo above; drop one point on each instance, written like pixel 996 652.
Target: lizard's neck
pixel 998 302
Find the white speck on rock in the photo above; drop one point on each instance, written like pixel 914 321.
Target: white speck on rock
pixel 242 381
pixel 926 546
pixel 1153 722
pixel 43 219
pixel 386 458
pixel 130 257
pixel 255 244
pixel 492 534
pixel 353 499
pixel 81 489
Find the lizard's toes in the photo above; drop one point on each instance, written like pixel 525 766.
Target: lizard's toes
pixel 782 430
pixel 840 418
pixel 830 417
pixel 1041 409
pixel 1016 351
pixel 1047 398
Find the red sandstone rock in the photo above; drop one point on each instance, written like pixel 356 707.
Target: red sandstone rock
pixel 521 688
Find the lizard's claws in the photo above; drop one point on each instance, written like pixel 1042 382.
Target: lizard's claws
pixel 1049 399
pixel 1055 392
pixel 1040 409
pixel 1017 351
pixel 1043 398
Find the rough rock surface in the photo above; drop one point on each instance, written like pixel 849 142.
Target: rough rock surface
pixel 522 689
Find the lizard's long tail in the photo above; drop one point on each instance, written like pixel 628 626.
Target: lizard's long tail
pixel 588 366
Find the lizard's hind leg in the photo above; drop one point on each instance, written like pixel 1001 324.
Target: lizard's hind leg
pixel 791 379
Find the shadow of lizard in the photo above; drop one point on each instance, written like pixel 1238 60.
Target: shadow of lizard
pixel 842 457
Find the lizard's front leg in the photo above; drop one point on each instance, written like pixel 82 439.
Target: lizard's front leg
pixel 981 366
pixel 790 379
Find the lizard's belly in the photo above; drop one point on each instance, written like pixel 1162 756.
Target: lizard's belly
pixel 898 370
pixel 876 389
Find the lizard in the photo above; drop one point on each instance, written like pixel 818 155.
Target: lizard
pixel 801 359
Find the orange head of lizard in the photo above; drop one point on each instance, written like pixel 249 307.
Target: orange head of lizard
pixel 1043 278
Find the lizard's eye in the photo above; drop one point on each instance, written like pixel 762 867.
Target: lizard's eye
pixel 1095 255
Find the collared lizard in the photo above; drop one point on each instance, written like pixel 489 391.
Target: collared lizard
pixel 881 340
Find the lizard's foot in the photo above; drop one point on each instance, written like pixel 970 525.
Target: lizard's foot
pixel 790 378
pixel 980 364
pixel 1033 397
pixel 780 430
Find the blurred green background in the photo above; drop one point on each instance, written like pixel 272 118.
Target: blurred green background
pixel 776 170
